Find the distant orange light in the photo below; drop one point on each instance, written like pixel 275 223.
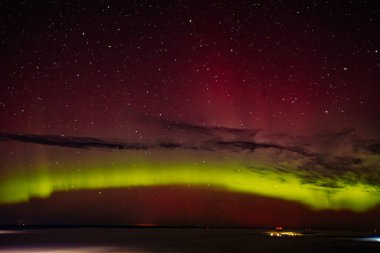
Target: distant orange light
pixel 278 228
pixel 285 234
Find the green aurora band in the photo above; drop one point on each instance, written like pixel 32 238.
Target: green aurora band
pixel 41 181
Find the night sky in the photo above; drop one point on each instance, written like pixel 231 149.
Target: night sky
pixel 224 113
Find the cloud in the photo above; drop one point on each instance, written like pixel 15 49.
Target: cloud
pixel 328 160
pixel 72 142
pixel 373 148
pixel 207 131
pixel 252 146
pixel 95 143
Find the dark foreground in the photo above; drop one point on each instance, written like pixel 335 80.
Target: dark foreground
pixel 141 240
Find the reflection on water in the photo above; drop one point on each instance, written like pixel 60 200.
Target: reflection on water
pixel 65 250
pixel 370 239
pixel 11 231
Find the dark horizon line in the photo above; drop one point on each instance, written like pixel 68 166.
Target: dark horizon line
pixel 151 226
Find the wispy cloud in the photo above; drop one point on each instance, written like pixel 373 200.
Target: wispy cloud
pixel 72 142
pixel 207 131
pixel 317 160
pixel 96 143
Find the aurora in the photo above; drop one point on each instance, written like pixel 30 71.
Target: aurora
pixel 114 171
